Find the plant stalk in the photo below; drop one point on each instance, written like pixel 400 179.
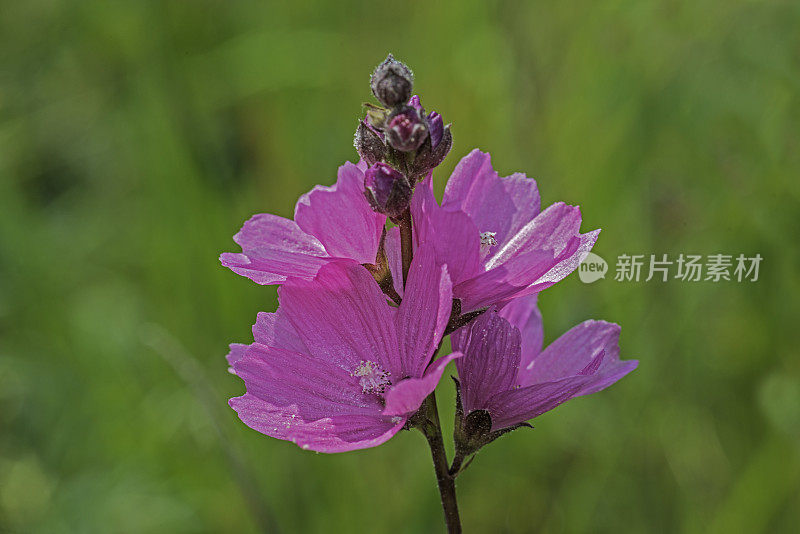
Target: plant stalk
pixel 447 484
pixel 406 242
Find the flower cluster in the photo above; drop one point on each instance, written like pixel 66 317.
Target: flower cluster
pixel 350 356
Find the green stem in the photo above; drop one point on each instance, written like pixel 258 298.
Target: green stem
pixel 427 418
pixel 432 429
pixel 406 242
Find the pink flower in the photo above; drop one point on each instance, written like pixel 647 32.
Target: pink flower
pixel 330 223
pixel 505 372
pixel 489 231
pixel 336 368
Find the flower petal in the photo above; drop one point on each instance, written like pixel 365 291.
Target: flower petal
pixel 569 262
pixel 504 281
pixel 337 434
pixel 274 248
pixel 523 313
pixel 340 217
pixel 235 354
pixel 453 235
pixel 395 258
pixel 407 396
pixel 342 317
pixel 517 405
pixel 491 348
pixel 551 230
pixel 571 353
pixel 424 313
pixel 275 330
pixel 495 204
pixel 317 387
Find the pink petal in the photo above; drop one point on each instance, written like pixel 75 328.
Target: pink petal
pixel 523 313
pixel 317 387
pixel 425 311
pixel 338 434
pixel 495 204
pixel 407 396
pixel 235 354
pixel 517 405
pixel 453 235
pixel 491 348
pixel 551 230
pixel 504 281
pixel 340 217
pixel 570 354
pixel 394 257
pixel 274 248
pixel 571 261
pixel 342 317
pixel 275 330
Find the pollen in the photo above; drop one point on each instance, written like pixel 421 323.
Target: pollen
pixel 488 241
pixel 371 377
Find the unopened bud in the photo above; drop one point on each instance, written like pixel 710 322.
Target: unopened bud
pixel 387 190
pixel 369 143
pixel 392 82
pixel 428 157
pixel 406 130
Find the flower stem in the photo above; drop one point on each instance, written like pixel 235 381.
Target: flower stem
pixel 447 485
pixel 406 242
pixel 427 418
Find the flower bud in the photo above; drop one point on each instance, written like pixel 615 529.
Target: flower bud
pixel 435 129
pixel 387 190
pixel 369 143
pixel 406 130
pixel 428 157
pixel 474 430
pixel 392 82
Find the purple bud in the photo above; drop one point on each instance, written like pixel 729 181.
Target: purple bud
pixel 434 121
pixel 369 143
pixel 392 82
pixel 416 104
pixel 428 156
pixel 405 129
pixel 387 190
pixel 435 128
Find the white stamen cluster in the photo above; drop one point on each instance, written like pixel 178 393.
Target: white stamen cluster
pixel 372 378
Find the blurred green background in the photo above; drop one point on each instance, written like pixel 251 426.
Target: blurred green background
pixel 136 137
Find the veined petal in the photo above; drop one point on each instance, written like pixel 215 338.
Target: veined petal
pixel 608 374
pixel 395 258
pixel 504 281
pixel 569 262
pixel 341 218
pixel 342 317
pixel 523 313
pixel 491 348
pixel 274 248
pixel 336 434
pixel 551 230
pixel 407 396
pixel 275 330
pixel 235 354
pixel 495 204
pixel 453 235
pixel 571 353
pixel 520 404
pixel 425 311
pixel 317 387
